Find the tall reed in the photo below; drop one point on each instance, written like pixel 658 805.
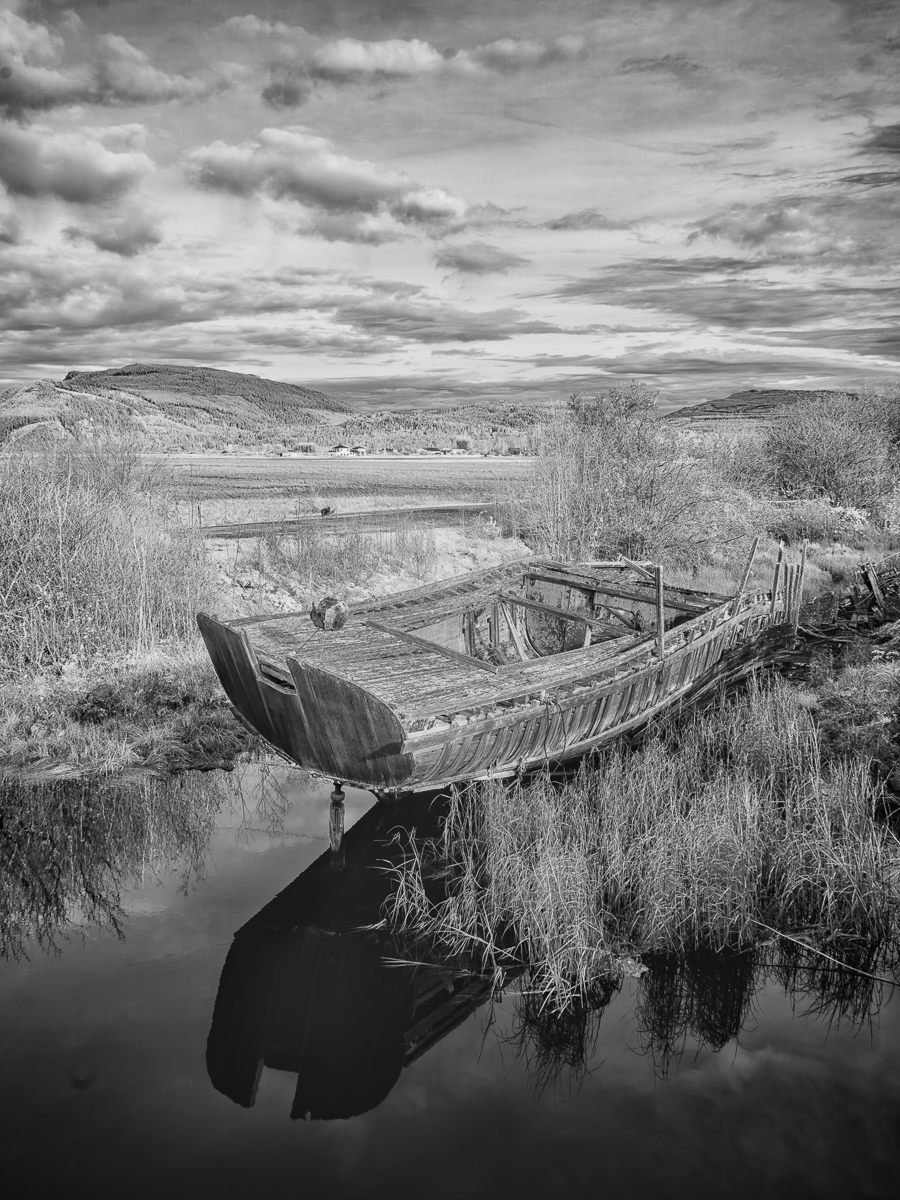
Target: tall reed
pixel 89 562
pixel 713 834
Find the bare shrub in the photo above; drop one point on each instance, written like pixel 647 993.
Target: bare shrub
pixel 839 447
pixel 612 478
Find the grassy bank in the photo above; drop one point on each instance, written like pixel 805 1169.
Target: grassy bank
pixel 100 662
pixel 715 833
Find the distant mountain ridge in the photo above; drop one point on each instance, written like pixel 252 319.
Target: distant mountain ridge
pixel 273 398
pixel 754 403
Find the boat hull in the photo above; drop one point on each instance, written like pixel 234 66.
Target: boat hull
pixel 330 725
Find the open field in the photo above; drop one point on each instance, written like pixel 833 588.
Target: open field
pixel 322 480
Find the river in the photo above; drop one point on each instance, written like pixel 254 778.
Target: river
pixel 146 1050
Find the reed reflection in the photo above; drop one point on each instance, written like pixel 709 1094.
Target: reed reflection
pixel 70 848
pixel 703 1001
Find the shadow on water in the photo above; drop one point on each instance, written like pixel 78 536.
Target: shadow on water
pixel 310 987
pixel 307 988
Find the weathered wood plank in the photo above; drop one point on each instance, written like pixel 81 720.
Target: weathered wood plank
pixel 562 613
pixel 422 644
pixel 608 589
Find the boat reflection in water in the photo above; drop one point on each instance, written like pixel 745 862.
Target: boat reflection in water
pixel 307 989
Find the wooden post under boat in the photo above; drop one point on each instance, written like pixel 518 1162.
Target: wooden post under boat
pixel 444 683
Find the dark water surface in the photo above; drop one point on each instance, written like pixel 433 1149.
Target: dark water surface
pixel 180 1059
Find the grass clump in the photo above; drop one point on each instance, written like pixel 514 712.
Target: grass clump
pixel 351 557
pixel 713 834
pixel 101 665
pixel 90 565
pixel 159 715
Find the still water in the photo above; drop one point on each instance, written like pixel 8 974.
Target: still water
pixel 220 1027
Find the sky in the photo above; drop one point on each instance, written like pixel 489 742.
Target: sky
pixel 410 202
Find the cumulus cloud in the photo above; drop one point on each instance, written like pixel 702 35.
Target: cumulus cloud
pixel 371 229
pixel 127 234
pixel 122 74
pixel 252 28
pixel 297 165
pixel 286 88
pixel 68 166
pixel 478 258
pixel 34 76
pixel 787 229
pixel 30 54
pixel 348 57
pixel 522 54
pixel 298 63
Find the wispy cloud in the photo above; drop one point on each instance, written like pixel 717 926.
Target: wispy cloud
pixel 479 258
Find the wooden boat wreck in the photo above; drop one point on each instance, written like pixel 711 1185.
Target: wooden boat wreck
pixel 492 673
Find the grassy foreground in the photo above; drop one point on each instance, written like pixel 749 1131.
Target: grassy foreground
pixel 716 833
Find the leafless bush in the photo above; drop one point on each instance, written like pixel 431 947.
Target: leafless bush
pixel 612 478
pixel 840 447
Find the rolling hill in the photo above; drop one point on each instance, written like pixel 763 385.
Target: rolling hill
pixel 752 404
pixel 166 407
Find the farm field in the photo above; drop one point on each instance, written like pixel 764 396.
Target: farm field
pixel 276 486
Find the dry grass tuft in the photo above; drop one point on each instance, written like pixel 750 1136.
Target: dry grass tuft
pixel 713 833
pixel 89 566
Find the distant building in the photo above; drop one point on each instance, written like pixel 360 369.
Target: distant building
pixel 359 450
pixel 343 450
